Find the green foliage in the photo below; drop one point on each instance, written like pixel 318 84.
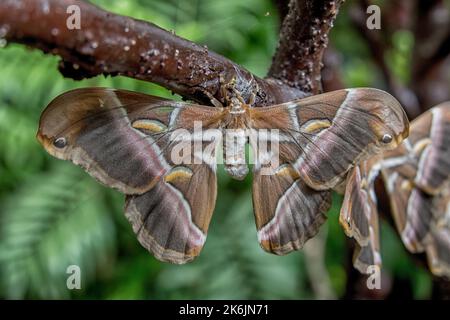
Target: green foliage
pixel 399 58
pixel 55 219
pixel 53 215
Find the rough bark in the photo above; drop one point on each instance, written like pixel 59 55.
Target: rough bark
pixel 111 44
pixel 303 39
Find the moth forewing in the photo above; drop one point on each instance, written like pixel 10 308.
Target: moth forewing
pixel 332 132
pixel 122 139
pixel 212 139
pixel 266 150
pixel 182 149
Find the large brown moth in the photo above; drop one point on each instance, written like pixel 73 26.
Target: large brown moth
pixel 416 177
pixel 126 141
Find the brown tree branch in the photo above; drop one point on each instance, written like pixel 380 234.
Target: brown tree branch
pixel 331 72
pixel 111 44
pixel 303 38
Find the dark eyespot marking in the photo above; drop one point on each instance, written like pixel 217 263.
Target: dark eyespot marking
pixel 60 143
pixel 387 138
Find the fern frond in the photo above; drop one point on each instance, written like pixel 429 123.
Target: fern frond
pixel 56 219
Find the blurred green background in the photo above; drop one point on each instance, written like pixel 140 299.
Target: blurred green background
pixel 53 215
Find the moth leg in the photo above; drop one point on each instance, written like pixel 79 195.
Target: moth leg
pixel 252 99
pixel 216 103
pixel 223 87
pixel 238 95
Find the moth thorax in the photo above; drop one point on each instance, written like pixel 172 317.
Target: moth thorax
pixel 236 106
pixel 234 153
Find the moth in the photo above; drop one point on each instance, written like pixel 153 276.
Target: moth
pixel 127 141
pixel 416 178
